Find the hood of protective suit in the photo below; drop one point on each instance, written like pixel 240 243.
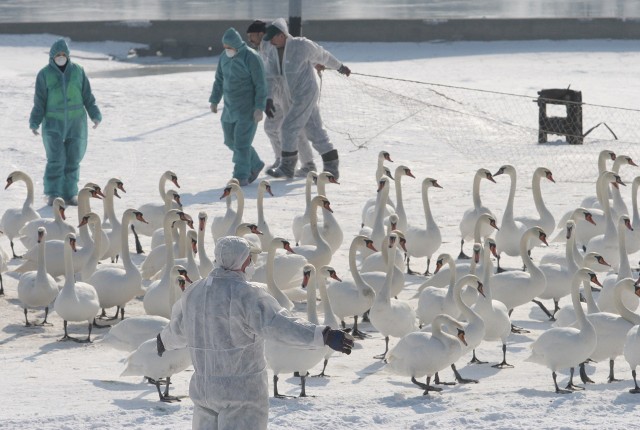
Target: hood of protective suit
pixel 59 45
pixel 232 38
pixel 282 26
pixel 231 252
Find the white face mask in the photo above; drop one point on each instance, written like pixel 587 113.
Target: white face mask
pixel 230 52
pixel 249 271
pixel 61 60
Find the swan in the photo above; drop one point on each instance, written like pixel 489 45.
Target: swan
pixel 611 328
pixel 287 358
pixel 155 260
pixel 633 237
pixel 115 235
pixel 77 301
pixel 38 288
pixel 84 207
pixel 263 226
pixel 515 288
pixel 352 297
pixel 470 216
pixel 14 219
pixel 422 353
pixel 545 219
pixel 494 314
pixel 154 211
pixel 606 300
pixel 57 228
pixel 474 330
pixel 434 301
pixel 424 241
pixel 54 250
pixel 391 317
pixel 378 278
pixel 330 320
pixel 91 263
pixel 377 261
pixel 377 232
pixel 399 208
pixel 607 243
pixel 227 224
pixel 381 170
pixel 172 196
pixel 287 270
pixel 562 347
pixel 330 230
pixel 116 286
pixel 130 333
pixel 510 232
pixel 604 156
pixel 577 214
pixel 631 350
pixel 155 299
pixel 206 265
pixel 441 279
pixel 299 221
pixel 618 206
pixel 319 254
pixel 189 261
pixel 144 361
pixel 272 284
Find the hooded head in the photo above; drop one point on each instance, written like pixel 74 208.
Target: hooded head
pixel 276 27
pixel 59 45
pixel 232 38
pixel 231 252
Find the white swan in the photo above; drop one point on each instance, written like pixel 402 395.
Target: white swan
pixel 330 229
pixel 352 297
pixel 631 350
pixel 116 286
pixel 299 221
pixel 115 235
pixel 510 232
pixel 283 358
pixel 377 279
pixel 377 261
pixel 171 197
pixel 287 266
pixel 562 347
pixel 130 333
pixel 37 289
pixel 434 301
pixel 227 224
pixel 154 211
pixel 515 288
pixel 14 219
pixel 377 231
pixel 424 242
pixel 633 237
pixel 606 300
pixel 618 206
pixel 206 265
pixel 381 170
pixel 91 263
pixel 494 314
pixel 422 353
pixel 263 226
pixel 607 244
pixel 189 262
pixel 545 219
pixel 470 216
pixel 144 361
pixel 57 228
pixel 399 208
pixel 89 191
pixel 576 215
pixel 391 317
pixel 330 320
pixel 77 301
pixel 319 254
pixel 155 260
pixel 604 156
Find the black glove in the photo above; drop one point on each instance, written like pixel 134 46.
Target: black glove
pixel 338 340
pixel 344 70
pixel 270 109
pixel 160 345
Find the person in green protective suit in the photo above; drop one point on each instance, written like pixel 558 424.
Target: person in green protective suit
pixel 240 79
pixel 62 100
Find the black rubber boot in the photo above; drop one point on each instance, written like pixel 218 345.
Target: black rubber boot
pixel 331 163
pixel 287 166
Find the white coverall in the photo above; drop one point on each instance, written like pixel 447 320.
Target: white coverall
pixel 223 320
pixel 277 91
pixel 298 68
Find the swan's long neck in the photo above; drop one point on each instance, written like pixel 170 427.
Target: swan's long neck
pixel 125 255
pixel 28 201
pixel 202 252
pixel 41 271
pixel 477 202
pixel 486 275
pixel 569 253
pixel 69 279
pixel 426 206
pixel 162 187
pixel 353 265
pixel 109 206
pixel 57 217
pixel 168 202
pixel 271 283
pixel 452 272
pixel 312 311
pixel 384 295
pixel 381 204
pixel 602 161
pixel 468 313
pixel 508 210
pixel 307 197
pixel 526 258
pixel 624 270
pixel 624 312
pixel 329 317
pixel 402 215
pixel 581 318
pixel 182 239
pixel 240 205
pixel 84 207
pixel 634 202
pixel 538 201
pixel 313 223
pixel 168 243
pixel 259 205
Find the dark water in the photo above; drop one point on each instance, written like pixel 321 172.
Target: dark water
pixel 98 10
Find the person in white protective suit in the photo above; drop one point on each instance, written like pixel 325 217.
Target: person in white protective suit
pixel 297 60
pixel 278 102
pixel 223 320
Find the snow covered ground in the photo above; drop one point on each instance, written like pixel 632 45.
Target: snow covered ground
pixel 155 122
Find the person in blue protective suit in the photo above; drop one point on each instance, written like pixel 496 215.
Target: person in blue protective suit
pixel 299 58
pixel 224 321
pixel 240 79
pixel 62 100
